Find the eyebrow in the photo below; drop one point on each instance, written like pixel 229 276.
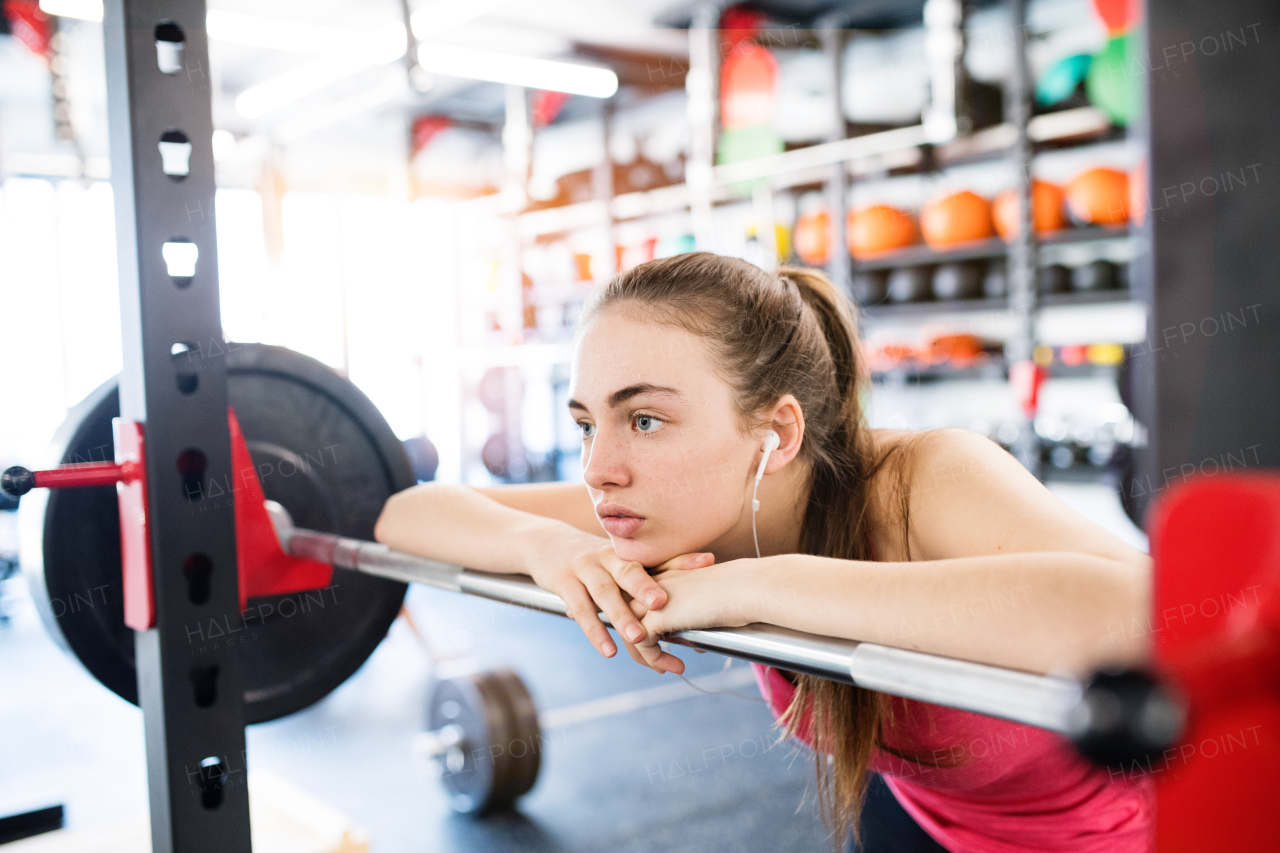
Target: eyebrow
pixel 619 397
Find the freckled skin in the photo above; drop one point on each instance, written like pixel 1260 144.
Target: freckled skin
pixel 680 462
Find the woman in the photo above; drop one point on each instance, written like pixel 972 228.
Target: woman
pixel 936 541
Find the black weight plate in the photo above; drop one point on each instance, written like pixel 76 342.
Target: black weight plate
pixel 499 755
pixel 322 450
pixel 460 701
pixel 522 754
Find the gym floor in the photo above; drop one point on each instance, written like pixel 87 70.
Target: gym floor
pixel 682 770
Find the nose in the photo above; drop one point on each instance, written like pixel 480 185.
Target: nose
pixel 604 463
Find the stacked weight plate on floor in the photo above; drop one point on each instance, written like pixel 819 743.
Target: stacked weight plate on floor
pixel 322 450
pixel 487 744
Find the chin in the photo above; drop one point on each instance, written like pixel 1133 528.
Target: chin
pixel 631 549
pixel 649 554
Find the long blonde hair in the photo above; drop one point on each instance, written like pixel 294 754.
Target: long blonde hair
pixel 792 333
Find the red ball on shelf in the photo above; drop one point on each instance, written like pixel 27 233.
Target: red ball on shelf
pixel 1047 210
pixel 813 237
pixel 1099 197
pixel 880 228
pixel 956 218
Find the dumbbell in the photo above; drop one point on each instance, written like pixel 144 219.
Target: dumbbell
pixel 1095 275
pixel 959 280
pixel 871 287
pixel 911 284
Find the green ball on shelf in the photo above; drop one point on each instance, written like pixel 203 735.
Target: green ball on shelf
pixel 748 143
pixel 669 247
pixel 1111 83
pixel 1059 81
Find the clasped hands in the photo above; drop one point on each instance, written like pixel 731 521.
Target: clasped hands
pixel 591 578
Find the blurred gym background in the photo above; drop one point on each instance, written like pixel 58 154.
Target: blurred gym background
pixel 391 204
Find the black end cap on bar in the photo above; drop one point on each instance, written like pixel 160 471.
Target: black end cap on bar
pixel 17 481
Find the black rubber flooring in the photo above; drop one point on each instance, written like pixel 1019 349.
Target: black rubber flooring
pixel 702 773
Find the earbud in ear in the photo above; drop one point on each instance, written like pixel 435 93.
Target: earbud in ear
pixel 771 442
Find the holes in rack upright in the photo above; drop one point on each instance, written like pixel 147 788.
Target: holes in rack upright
pixel 169 42
pixel 175 154
pixel 213 776
pixel 180 256
pixel 204 684
pixel 198 571
pixel 191 467
pixel 186 366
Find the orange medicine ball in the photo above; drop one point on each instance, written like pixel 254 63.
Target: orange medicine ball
pixel 956 218
pixel 813 237
pixel 879 228
pixel 1046 202
pixel 1099 197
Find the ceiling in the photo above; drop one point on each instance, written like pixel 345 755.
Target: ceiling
pixel 618 34
pixel 366 106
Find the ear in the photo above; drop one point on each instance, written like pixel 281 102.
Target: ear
pixel 787 420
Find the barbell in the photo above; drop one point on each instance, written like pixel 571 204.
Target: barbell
pixel 323 462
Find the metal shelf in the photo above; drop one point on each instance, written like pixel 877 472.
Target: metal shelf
pixel 886 311
pixel 995 247
pixel 870 154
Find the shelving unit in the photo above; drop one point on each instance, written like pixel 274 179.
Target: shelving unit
pixel 837 166
pixel 894 151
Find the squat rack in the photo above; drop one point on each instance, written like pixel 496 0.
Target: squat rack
pixel 158 84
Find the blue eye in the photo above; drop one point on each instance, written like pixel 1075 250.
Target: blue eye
pixel 586 429
pixel 647 423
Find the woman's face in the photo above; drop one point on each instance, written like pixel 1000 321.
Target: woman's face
pixel 666 465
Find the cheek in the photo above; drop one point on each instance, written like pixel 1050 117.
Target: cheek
pixel 696 502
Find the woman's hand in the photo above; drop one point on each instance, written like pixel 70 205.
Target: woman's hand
pixel 716 596
pixel 584 571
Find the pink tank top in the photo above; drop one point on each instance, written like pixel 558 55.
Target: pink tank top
pixel 1013 788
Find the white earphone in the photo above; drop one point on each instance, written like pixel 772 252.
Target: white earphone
pixel 771 442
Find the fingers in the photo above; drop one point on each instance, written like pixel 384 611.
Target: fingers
pixel 609 598
pixel 688 561
pixel 652 655
pixel 632 577
pixel 582 610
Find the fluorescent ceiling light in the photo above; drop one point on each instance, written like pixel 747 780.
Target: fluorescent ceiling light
pixel 339 111
pixel 380 47
pixel 274 33
pixel 526 71
pixel 85 10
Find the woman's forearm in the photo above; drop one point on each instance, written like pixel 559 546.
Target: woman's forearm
pixel 1035 611
pixel 456 524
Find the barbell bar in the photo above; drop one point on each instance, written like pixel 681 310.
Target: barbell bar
pixel 1044 701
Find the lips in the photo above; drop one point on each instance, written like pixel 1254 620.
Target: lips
pixel 619 520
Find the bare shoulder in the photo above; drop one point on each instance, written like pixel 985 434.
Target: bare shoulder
pixel 566 501
pixel 967 496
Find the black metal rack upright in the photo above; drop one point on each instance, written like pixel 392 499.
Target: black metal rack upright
pixel 173 383
pixel 1207 381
